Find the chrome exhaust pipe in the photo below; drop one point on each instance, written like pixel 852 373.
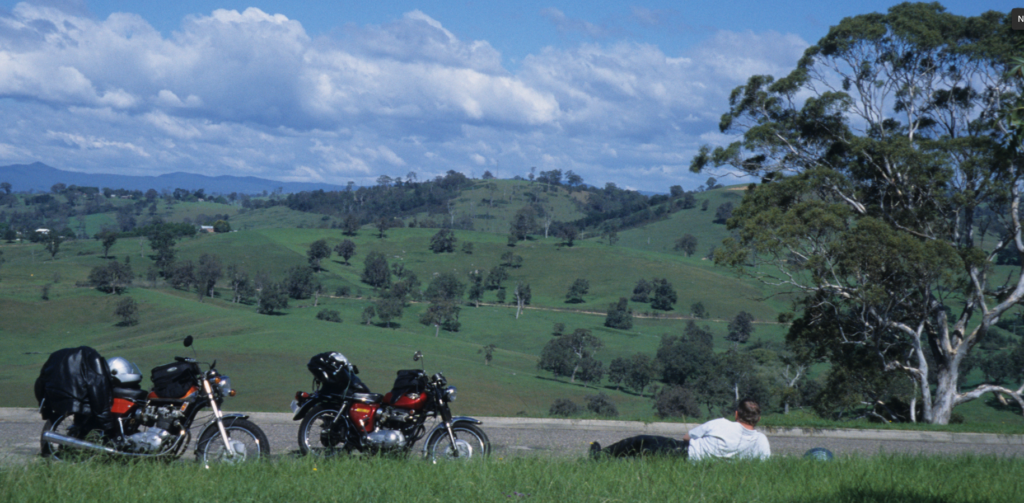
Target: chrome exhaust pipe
pixel 57 438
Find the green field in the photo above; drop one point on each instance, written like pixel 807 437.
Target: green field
pixel 853 479
pixel 266 355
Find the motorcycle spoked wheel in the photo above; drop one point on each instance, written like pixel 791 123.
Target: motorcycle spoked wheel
pixel 471 443
pixel 64 425
pixel 248 443
pixel 319 436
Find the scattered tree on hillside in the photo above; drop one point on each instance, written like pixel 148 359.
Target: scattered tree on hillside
pixel 112 277
pixel 367 315
pixel 511 260
pixel 207 274
pixel 569 234
pixel 881 152
pixel 242 288
pixel 564 407
pixel 723 213
pixel 488 352
pixel 383 224
pixel 219 226
pixel 476 287
pixel 162 240
pixel 689 201
pixel 523 223
pixel 640 374
pixel 107 239
pixel 577 290
pixel 686 244
pixel 522 295
pixel 445 287
pixel 500 296
pixel 301 283
pixel 740 328
pixel 6 186
pixel 182 275
pixel 664 295
pixel 564 356
pixel 271 296
pixel 704 205
pixel 376 272
pixel 346 250
pixel 318 251
pixel 494 279
pixel 611 233
pixel 52 243
pixel 683 360
pixel 128 311
pixel 443 241
pixel 467 248
pixel 389 308
pixel 698 310
pixel 642 291
pixel 442 314
pixel 351 225
pixel 711 183
pixel 619 315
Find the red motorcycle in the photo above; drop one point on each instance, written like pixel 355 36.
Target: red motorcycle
pixel 341 415
pixel 75 394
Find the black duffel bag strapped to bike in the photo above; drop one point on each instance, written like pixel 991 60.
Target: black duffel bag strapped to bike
pixel 174 379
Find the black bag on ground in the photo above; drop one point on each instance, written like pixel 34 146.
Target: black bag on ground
pixel 408 381
pixel 75 381
pixel 174 379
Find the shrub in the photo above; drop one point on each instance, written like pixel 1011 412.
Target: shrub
pixel 564 407
pixel 601 405
pixel 329 315
pixel 676 401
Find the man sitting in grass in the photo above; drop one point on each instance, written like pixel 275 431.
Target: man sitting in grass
pixel 719 438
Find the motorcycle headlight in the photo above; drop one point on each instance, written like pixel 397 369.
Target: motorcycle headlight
pixel 449 394
pixel 224 382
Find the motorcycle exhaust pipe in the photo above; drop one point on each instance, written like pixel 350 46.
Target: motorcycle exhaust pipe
pixel 57 438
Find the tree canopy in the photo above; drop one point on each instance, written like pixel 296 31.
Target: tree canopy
pixel 886 161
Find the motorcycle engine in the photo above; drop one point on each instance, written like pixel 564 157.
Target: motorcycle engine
pixel 384 440
pixel 158 420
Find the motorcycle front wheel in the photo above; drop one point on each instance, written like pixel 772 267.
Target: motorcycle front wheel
pixel 470 443
pixel 319 436
pixel 248 443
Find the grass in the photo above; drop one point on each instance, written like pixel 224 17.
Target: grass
pixel 785 479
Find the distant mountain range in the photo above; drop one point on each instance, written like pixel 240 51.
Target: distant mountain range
pixel 38 177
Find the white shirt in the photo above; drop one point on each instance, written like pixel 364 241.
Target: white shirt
pixel 723 438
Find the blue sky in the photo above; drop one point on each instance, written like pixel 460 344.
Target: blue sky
pixel 339 91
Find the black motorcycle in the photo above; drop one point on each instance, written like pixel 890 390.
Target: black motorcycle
pixel 342 415
pixel 150 424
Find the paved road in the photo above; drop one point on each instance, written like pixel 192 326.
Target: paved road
pixel 20 429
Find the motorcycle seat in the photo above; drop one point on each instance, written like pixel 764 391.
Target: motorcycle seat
pixel 130 394
pixel 367 397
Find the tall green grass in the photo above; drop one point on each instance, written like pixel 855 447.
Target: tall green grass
pixel 854 479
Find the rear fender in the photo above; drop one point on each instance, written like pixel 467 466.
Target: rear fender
pixel 313 402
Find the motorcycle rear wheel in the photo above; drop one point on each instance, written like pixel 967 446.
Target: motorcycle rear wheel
pixel 248 441
pixel 63 426
pixel 319 436
pixel 471 443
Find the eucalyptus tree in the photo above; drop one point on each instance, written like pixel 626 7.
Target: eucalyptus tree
pixel 880 154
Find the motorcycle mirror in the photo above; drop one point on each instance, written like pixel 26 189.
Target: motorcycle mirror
pixel 214 364
pixel 416 356
pixel 355 369
pixel 188 341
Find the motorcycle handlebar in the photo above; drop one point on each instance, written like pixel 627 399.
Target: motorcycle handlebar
pixel 182 359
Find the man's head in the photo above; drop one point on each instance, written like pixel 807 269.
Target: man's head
pixel 748 411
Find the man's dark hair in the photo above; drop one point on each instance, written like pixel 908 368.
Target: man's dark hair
pixel 749 411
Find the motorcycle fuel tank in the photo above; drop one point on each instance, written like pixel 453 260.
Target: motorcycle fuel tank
pixel 414 401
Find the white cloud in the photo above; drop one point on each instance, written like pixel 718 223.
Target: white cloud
pixel 252 93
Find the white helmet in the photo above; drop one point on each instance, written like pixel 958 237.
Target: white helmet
pixel 339 359
pixel 124 371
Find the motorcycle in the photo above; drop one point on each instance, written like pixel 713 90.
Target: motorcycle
pixel 158 423
pixel 341 415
